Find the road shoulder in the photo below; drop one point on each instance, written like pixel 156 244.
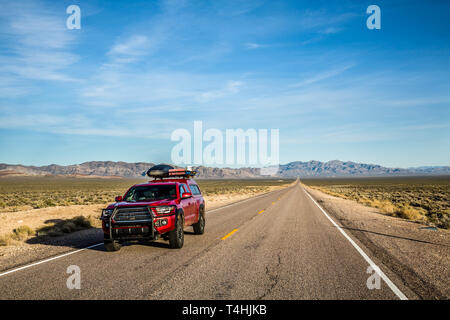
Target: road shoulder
pixel 420 257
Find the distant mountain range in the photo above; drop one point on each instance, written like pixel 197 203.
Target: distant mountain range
pixel 334 168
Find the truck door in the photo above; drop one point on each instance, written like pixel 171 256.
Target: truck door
pixel 187 205
pixel 198 199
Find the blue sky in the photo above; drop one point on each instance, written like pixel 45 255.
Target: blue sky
pixel 137 70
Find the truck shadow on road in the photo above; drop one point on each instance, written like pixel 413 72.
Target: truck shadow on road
pixel 88 237
pixel 76 240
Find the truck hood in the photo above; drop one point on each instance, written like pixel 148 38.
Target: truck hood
pixel 142 203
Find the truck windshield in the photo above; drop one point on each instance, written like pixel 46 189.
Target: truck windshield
pixel 149 193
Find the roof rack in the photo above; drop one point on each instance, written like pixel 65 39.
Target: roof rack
pixel 182 173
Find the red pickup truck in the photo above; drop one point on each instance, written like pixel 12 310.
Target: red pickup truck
pixel 160 208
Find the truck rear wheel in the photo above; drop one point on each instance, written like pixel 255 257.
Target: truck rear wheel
pixel 176 236
pixel 199 227
pixel 112 245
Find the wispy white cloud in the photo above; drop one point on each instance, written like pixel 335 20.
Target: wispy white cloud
pixel 322 76
pixel 236 7
pixel 12 88
pixel 30 121
pixel 424 101
pixel 231 88
pixel 134 46
pixel 252 45
pixel 129 77
pixel 331 30
pixel 321 20
pixel 131 50
pixel 81 125
pixel 364 131
pixel 426 126
pixel 38 42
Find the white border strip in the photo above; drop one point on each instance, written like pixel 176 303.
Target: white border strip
pixel 390 284
pixel 47 260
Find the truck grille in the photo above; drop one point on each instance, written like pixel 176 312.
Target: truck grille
pixel 132 214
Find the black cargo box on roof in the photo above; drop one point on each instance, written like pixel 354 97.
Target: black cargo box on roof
pixel 159 171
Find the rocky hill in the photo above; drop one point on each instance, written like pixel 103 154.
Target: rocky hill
pixel 337 168
pixel 92 168
pixel 227 173
pixel 313 168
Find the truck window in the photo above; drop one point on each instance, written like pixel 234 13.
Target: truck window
pixel 151 193
pixel 195 189
pixel 181 190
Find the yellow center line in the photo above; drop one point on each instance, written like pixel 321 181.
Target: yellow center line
pixel 229 234
pixel 261 211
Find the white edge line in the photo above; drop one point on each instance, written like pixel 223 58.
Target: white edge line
pixel 390 284
pixel 98 244
pixel 47 260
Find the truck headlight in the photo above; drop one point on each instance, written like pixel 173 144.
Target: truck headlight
pixel 164 209
pixel 107 212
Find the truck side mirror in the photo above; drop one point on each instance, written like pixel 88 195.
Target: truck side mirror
pixel 119 198
pixel 186 195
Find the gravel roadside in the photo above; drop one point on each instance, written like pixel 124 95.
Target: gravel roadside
pixel 418 254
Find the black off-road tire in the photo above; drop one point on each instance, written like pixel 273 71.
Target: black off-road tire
pixel 112 245
pixel 199 227
pixel 176 236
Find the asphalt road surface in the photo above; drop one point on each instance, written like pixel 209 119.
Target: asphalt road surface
pixel 277 246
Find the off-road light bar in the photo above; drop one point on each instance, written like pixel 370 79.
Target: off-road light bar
pixel 161 222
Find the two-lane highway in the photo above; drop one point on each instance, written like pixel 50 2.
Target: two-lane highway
pixel 277 246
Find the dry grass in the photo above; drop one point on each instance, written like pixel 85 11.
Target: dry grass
pixel 52 229
pixel 425 199
pixel 22 193
pixel 19 234
pixel 59 228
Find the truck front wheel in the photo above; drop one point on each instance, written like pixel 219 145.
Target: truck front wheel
pixel 176 236
pixel 112 245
